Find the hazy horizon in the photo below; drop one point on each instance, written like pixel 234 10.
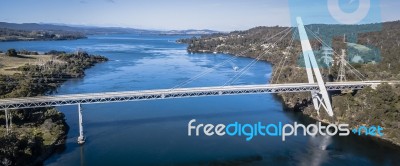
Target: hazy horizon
pixel 222 15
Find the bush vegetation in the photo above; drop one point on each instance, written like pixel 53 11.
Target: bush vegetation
pixel 37 131
pixel 378 106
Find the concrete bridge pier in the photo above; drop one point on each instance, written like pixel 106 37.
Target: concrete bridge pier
pixel 6 114
pixel 8 117
pixel 81 138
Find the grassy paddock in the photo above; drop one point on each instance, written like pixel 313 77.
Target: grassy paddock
pixel 9 65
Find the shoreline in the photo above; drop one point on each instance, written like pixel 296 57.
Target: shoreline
pixel 30 40
pixel 379 140
pixel 378 106
pixel 376 138
pixel 46 128
pixel 287 106
pixel 58 145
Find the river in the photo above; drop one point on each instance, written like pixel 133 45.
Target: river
pixel 155 132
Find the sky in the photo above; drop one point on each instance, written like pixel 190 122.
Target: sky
pixel 222 15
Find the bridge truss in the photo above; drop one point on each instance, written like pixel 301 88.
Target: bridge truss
pixel 109 97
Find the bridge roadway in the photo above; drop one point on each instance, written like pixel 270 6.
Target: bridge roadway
pixel 108 97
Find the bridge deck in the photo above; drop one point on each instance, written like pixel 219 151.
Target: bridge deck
pixel 89 98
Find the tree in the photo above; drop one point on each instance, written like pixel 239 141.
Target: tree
pixel 11 53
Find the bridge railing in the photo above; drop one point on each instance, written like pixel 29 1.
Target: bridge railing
pixel 108 97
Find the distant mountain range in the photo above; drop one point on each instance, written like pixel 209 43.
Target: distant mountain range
pixel 90 30
pixel 190 32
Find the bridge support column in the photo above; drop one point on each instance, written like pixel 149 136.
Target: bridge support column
pixel 314 94
pixel 10 118
pixel 81 138
pixel 6 113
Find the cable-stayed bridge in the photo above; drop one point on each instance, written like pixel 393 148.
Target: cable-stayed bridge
pixel 109 97
pixel 315 85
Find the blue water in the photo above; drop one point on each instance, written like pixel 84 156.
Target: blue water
pixel 155 132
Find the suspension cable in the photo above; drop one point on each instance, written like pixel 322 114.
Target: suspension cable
pixel 284 58
pixel 238 75
pixel 222 63
pixel 322 42
pixel 358 74
pixel 203 73
pixel 257 59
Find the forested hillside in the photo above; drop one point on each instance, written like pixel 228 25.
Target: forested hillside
pixel 372 49
pixel 26 35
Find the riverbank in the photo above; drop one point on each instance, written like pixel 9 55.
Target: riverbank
pixel 368 107
pixel 11 35
pixel 301 102
pixel 37 133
